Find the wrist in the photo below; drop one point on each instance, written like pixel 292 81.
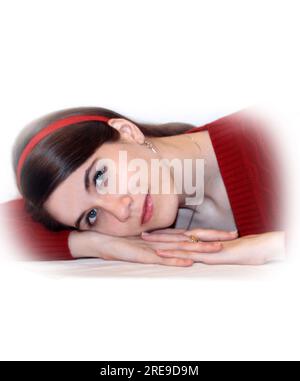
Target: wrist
pixel 86 244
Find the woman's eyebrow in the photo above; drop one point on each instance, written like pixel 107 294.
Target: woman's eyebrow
pixel 87 186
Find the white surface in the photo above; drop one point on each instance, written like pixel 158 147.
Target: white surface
pixel 101 268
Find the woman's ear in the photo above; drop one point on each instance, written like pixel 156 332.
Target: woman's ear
pixel 129 131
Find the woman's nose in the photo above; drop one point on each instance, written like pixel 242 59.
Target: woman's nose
pixel 119 206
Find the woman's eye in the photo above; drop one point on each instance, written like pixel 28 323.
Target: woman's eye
pixel 99 177
pixel 98 180
pixel 91 217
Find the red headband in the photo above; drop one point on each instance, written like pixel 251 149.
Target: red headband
pixel 48 130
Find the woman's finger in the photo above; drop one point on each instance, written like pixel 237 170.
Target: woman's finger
pixel 168 231
pixel 164 237
pixel 149 256
pixel 221 258
pixel 199 247
pixel 212 234
pixel 202 247
pixel 176 262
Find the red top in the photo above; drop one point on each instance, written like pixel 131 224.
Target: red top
pixel 248 168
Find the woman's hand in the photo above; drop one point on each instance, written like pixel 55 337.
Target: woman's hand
pixel 253 249
pixel 138 249
pixel 90 244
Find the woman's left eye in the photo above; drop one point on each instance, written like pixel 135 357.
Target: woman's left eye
pixel 99 176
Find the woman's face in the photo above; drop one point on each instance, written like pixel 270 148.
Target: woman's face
pixel 79 201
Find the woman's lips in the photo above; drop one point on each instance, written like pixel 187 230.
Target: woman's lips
pixel 147 209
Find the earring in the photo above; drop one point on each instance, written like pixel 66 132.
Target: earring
pixel 150 145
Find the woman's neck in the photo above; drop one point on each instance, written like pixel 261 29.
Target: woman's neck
pixel 183 147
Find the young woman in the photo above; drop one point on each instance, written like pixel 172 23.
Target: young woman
pixel 62 214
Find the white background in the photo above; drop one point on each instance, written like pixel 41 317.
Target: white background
pixel 156 61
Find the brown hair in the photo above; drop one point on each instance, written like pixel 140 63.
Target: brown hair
pixel 63 151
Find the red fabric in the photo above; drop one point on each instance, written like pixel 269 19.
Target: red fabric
pixel 249 167
pixel 38 242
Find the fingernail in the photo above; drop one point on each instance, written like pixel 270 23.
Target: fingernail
pixel 145 233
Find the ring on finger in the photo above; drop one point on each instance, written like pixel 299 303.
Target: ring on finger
pixel 194 238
